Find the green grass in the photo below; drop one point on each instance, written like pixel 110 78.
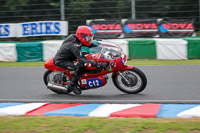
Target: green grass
pixel 130 62
pixel 163 62
pixel 10 64
pixel 69 124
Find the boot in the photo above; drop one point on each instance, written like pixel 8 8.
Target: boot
pixel 73 87
pixel 74 82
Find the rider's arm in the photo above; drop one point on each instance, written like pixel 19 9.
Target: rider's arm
pixel 78 53
pixel 85 53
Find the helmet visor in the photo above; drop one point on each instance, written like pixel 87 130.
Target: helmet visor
pixel 88 38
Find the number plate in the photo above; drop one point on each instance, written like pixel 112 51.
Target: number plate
pixel 94 83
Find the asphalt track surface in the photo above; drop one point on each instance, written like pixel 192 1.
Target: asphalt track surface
pixel 166 84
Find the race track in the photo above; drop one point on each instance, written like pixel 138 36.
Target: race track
pixel 166 84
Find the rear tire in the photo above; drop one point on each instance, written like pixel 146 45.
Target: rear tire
pixel 135 76
pixel 46 79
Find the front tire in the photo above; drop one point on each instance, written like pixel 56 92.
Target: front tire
pixel 48 78
pixel 136 78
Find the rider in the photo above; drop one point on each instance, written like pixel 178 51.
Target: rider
pixel 70 50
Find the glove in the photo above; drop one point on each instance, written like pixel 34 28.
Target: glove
pixel 103 65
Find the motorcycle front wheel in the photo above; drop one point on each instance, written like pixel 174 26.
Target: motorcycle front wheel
pixel 131 81
pixel 56 79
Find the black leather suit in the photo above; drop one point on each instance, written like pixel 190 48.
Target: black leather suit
pixel 69 51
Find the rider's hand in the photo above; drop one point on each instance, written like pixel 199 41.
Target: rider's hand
pixel 103 65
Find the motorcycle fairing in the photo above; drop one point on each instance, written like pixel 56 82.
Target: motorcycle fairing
pixel 93 82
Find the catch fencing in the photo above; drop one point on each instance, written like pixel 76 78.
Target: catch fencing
pixel 78 11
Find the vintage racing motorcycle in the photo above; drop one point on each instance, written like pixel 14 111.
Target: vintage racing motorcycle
pixel 126 78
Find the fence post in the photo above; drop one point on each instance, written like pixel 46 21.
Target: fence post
pixel 62 10
pixel 133 9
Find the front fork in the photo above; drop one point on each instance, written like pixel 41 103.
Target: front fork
pixel 120 72
pixel 124 77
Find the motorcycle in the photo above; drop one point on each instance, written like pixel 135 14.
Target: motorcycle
pixel 128 79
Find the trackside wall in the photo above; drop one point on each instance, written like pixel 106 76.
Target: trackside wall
pixel 159 48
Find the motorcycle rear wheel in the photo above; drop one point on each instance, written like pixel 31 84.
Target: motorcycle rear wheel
pixel 47 78
pixel 136 78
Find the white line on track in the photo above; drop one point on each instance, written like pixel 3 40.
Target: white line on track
pixel 103 101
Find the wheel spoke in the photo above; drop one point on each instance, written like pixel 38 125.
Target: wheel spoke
pixel 134 79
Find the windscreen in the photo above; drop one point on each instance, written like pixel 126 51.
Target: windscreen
pixel 107 49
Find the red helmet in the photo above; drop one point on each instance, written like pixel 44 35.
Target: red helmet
pixel 84 34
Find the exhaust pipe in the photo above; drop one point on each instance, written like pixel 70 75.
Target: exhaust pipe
pixel 56 87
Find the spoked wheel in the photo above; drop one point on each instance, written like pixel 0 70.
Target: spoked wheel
pixel 131 81
pixel 56 82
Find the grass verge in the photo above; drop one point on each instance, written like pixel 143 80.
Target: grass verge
pixel 163 62
pixel 69 124
pixel 11 64
pixel 130 62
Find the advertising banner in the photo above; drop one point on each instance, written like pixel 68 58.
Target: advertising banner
pixel 176 27
pixel 42 28
pixel 106 28
pixel 7 30
pixel 140 28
